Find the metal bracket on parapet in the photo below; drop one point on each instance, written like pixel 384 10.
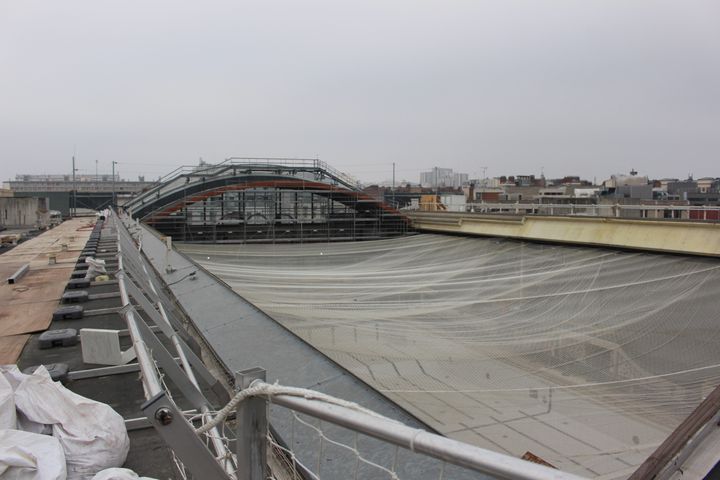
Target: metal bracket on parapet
pixel 179 434
pixel 167 330
pixel 143 290
pixel 171 369
pixel 252 428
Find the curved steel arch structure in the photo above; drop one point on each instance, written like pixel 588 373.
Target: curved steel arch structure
pixel 248 200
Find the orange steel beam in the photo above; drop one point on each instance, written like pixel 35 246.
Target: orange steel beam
pixel 282 184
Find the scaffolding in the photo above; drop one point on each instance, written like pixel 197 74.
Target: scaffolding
pixel 245 200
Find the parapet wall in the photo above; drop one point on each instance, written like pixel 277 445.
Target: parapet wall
pixel 693 238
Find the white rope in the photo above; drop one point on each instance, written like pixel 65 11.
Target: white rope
pixel 268 390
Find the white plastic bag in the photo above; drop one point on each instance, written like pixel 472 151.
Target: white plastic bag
pixel 92 434
pixel 30 456
pixel 8 419
pixel 119 474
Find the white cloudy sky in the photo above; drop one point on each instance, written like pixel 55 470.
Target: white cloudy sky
pixel 585 87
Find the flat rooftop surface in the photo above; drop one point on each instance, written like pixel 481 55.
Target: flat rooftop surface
pixel 27 305
pixel 585 357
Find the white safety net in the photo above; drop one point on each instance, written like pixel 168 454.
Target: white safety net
pixel 587 358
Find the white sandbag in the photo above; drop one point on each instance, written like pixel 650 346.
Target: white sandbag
pixel 92 434
pixel 119 474
pixel 14 377
pixel 96 267
pixel 96 263
pixel 30 456
pixel 8 419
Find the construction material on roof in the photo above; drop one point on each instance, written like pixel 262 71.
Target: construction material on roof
pixel 28 302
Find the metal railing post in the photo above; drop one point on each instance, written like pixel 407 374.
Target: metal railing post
pixel 252 429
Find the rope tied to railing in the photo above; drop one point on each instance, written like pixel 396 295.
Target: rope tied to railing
pixel 259 388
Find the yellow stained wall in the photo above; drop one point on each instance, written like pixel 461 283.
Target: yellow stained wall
pixel 693 238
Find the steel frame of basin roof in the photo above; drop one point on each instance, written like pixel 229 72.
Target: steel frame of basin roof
pixel 183 176
pixel 171 205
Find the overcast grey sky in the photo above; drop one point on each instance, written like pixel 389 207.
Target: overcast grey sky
pixel 585 87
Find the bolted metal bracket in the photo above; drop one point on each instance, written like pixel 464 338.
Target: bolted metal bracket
pixel 164 416
pixel 180 436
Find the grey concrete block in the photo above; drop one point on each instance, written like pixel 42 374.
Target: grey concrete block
pixel 75 296
pixel 64 337
pixel 77 283
pixel 69 312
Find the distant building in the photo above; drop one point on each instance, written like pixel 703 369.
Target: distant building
pixel 443 177
pixel 628 187
pixel 520 181
pixel 453 203
pixel 489 194
pixel 620 180
pixel 90 191
pixel 587 192
pixel 67 178
pixel 525 180
pixel 708 185
pixel 551 194
pixel 570 180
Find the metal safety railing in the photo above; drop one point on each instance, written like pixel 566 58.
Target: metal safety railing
pixel 137 288
pixel 311 436
pixel 313 163
pixel 251 403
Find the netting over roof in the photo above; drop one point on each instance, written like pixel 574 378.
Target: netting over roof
pixel 585 357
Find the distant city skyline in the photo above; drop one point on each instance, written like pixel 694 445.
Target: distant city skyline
pixel 586 88
pixel 369 180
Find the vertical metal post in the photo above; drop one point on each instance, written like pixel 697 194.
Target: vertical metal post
pixel 73 207
pixel 113 183
pixel 393 188
pixel 252 429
